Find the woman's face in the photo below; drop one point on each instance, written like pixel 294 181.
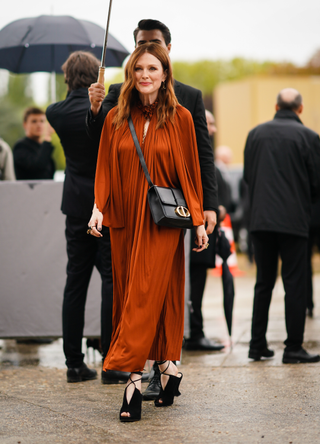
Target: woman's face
pixel 149 75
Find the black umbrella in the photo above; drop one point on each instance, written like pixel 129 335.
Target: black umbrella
pixel 44 43
pixel 228 294
pixel 224 251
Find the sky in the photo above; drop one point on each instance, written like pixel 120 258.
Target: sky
pixel 279 30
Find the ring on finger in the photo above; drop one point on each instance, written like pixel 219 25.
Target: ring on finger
pixel 89 231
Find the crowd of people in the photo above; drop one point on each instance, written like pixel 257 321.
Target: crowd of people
pixel 109 223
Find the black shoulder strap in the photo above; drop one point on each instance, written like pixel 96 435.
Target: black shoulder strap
pixel 140 154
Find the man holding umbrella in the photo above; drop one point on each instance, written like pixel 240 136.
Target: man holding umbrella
pixel 84 252
pixel 155 31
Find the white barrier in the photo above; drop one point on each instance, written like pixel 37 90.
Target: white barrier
pixel 33 263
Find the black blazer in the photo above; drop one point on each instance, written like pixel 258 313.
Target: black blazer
pixel 68 119
pixel 282 170
pixel 191 99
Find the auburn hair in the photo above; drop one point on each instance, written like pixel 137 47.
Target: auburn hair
pixel 129 94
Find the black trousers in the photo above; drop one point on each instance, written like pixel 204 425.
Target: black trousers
pixel 310 303
pixel 293 252
pixel 84 252
pixel 198 276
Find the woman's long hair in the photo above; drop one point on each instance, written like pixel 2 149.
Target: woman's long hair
pixel 129 94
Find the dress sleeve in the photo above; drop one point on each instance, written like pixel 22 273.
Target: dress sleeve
pixel 187 164
pixel 107 186
pixel 102 179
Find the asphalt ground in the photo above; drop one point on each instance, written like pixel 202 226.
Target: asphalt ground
pixel 226 398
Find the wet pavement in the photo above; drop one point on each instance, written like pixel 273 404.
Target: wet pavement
pixel 226 398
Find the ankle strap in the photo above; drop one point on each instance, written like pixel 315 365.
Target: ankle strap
pixel 164 371
pixel 136 380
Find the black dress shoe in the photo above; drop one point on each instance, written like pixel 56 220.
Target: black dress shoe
pixel 35 341
pixel 82 373
pixel 152 392
pixel 258 354
pixel 203 344
pixel 145 377
pixel 114 377
pixel 117 377
pixel 301 355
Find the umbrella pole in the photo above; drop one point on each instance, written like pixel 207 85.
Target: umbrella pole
pixel 53 87
pixel 104 50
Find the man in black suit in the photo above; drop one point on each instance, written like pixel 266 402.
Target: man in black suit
pixel 282 170
pixel 84 252
pixel 190 98
pixel 199 264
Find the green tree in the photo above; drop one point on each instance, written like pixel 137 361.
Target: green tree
pixel 13 103
pixel 11 128
pixel 19 90
pixel 61 88
pixel 206 74
pixel 17 97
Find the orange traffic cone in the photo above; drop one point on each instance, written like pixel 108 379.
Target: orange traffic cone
pixel 232 262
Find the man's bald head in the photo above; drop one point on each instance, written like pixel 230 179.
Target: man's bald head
pixel 289 98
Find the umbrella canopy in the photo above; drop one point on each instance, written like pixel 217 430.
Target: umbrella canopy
pixel 44 43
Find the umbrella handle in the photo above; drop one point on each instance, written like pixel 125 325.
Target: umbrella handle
pixel 101 75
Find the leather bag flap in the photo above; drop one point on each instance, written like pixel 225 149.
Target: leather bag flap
pixel 179 197
pixel 166 196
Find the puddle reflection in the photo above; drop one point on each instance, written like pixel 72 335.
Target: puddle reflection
pixel 20 353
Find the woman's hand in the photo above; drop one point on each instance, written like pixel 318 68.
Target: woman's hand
pixel 95 223
pixel 201 239
pixel 97 93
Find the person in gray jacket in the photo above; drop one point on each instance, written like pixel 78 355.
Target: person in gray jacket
pixel 6 162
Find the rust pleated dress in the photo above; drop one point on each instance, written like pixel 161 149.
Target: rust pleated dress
pixel 147 260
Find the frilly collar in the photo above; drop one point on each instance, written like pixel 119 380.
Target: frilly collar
pixel 147 110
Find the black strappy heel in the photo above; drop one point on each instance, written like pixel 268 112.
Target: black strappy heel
pixel 171 390
pixel 134 405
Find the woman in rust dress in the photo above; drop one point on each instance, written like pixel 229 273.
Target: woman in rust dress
pixel 147 260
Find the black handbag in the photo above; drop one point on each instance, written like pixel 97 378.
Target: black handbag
pixel 168 206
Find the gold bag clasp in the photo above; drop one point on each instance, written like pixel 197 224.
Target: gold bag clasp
pixel 182 211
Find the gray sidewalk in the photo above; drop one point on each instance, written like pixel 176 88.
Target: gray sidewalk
pixel 225 397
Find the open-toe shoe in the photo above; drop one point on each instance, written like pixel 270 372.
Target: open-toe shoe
pixel 133 407
pixel 170 390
